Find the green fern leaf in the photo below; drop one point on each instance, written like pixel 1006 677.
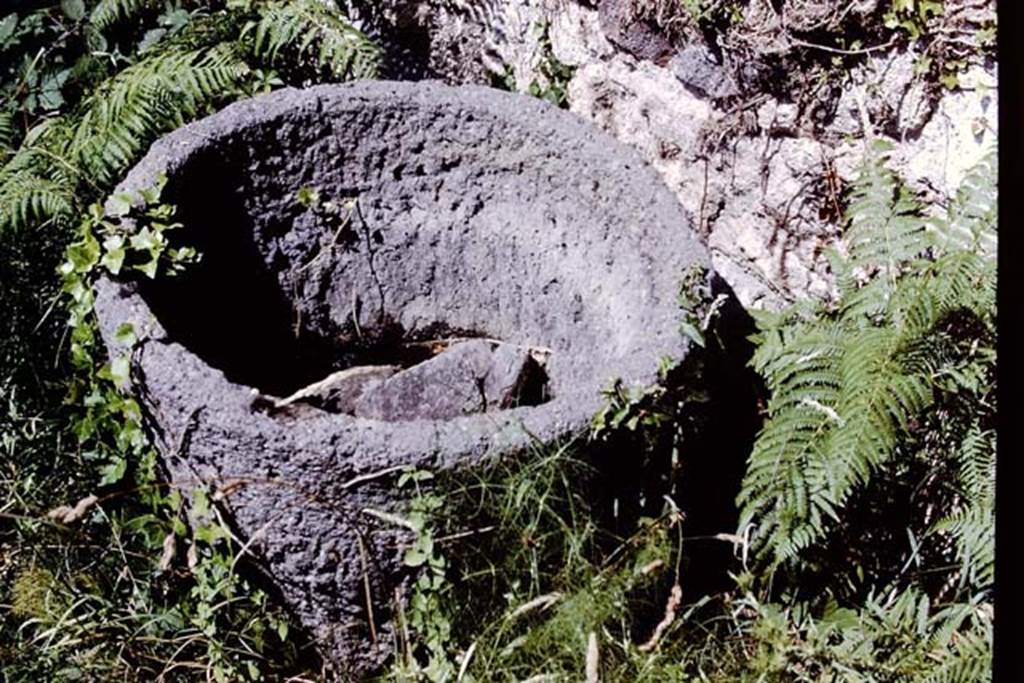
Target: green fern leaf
pixel 884 228
pixel 849 386
pixel 970 222
pixel 110 12
pixel 310 30
pixel 26 199
pixel 149 98
pixel 6 132
pixel 970 661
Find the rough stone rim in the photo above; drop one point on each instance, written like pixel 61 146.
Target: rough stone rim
pixel 507 430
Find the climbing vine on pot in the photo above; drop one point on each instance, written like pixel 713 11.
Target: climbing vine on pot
pixel 106 243
pixel 426 613
pixel 217 610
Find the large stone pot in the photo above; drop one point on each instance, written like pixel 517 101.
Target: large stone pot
pixel 441 214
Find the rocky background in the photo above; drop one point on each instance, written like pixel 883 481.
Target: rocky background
pixel 754 112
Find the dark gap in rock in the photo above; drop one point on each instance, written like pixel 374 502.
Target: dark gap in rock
pixel 713 473
pixel 231 310
pixel 720 424
pixel 535 389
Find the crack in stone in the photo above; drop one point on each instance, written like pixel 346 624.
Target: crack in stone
pixel 371 253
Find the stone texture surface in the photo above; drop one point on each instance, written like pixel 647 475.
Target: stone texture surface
pixel 631 30
pixel 735 152
pixel 339 391
pixel 962 129
pixel 576 35
pixel 470 377
pixel 477 213
pixel 696 68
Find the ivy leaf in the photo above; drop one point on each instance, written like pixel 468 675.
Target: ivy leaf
pixel 113 260
pixel 113 257
pixel 84 254
pixel 7 26
pixel 73 9
pixel 183 255
pixel 148 268
pixel 120 370
pixel 150 195
pixel 84 429
pixel 119 205
pixel 113 472
pixel 145 240
pixel 125 334
pixel 131 410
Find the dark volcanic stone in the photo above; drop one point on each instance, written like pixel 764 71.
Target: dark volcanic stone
pixel 476 213
pixel 339 391
pixel 626 25
pixel 700 72
pixel 470 377
pixel 512 374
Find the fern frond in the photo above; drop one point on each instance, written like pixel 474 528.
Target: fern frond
pixel 840 406
pixel 849 387
pixel 110 12
pixel 6 132
pixel 973 529
pixel 970 223
pixel 794 348
pixel 36 181
pixel 149 98
pixel 921 644
pixel 876 415
pixel 969 661
pixel 312 31
pixel 41 151
pixel 27 198
pixel 950 621
pixel 972 526
pixel 884 228
pixel 112 128
pixel 800 362
pixel 977 457
pixel 775 491
pixel 965 279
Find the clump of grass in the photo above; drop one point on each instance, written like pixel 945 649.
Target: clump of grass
pixel 538 589
pixel 536 579
pixel 31 593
